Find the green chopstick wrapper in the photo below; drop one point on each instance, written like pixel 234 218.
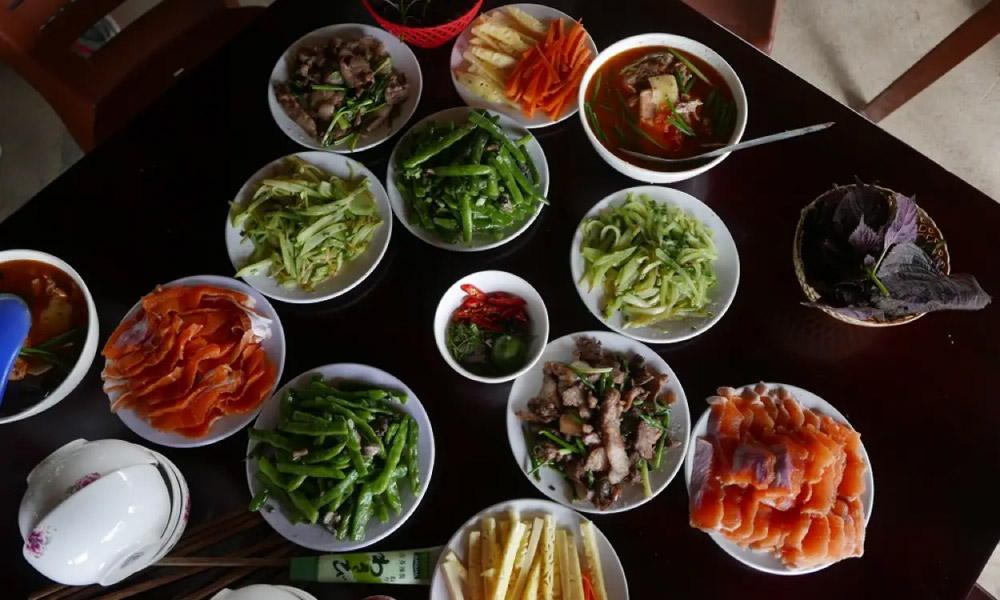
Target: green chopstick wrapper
pixel 404 567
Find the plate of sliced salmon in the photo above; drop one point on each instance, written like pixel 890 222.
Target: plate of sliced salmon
pixel 779 479
pixel 193 361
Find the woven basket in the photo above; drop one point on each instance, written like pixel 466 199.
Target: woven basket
pixel 927 231
pixel 426 37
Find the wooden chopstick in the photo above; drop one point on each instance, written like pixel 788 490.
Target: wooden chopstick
pixel 219 532
pixel 280 555
pixel 220 561
pixel 197 538
pixel 266 545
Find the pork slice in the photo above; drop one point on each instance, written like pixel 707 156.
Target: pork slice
pixel 654 385
pixel 573 396
pixel 606 493
pixel 589 351
pixel 611 412
pixel 638 370
pixel 294 110
pixel 591 439
pixel 377 118
pixel 636 394
pixel 647 108
pixel 655 64
pixel 397 90
pixel 325 102
pixel 646 438
pixel 355 70
pixel 597 460
pixel 544 408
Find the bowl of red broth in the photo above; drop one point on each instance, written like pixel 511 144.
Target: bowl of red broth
pixel 491 326
pixel 62 341
pixel 662 95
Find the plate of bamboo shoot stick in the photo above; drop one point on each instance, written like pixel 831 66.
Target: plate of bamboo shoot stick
pixel 529 550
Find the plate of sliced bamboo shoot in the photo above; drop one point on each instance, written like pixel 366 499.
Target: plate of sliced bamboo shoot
pixel 529 550
pixel 525 61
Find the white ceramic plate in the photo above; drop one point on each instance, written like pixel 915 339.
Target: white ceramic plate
pixel 87 353
pixel 614 574
pixel 317 537
pixel 479 241
pixel 763 561
pixel 274 346
pixel 352 273
pixel 403 60
pixel 552 484
pixel 727 269
pixel 493 281
pixel 687 45
pixel 545 14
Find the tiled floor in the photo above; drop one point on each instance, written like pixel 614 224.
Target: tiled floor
pixel 850 49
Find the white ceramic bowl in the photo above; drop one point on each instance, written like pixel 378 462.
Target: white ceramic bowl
pixel 352 273
pixel 764 561
pixel 545 14
pixel 180 504
pixel 317 537
pixel 105 532
pixel 403 60
pixel 70 469
pixel 264 592
pixel 727 269
pixel 615 583
pixel 687 45
pixel 87 353
pixel 551 483
pixel 479 241
pixel 493 281
pixel 274 346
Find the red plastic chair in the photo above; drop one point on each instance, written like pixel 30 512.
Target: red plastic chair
pixel 96 95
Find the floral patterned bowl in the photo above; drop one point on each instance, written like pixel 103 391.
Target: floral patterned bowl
pixel 104 532
pixel 71 468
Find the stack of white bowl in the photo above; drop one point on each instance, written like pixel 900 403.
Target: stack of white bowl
pixel 97 512
pixel 264 592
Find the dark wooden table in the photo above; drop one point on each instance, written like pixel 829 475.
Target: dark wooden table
pixel 149 205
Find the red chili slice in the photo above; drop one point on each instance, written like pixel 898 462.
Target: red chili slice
pixel 472 290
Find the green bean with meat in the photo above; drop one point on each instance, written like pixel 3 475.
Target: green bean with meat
pixel 337 457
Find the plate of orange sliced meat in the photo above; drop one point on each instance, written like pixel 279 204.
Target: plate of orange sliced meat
pixel 193 361
pixel 779 479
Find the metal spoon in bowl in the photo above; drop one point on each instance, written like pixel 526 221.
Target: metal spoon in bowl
pixel 767 139
pixel 15 323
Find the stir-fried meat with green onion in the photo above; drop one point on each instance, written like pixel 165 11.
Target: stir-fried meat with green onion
pixel 601 420
pixel 342 89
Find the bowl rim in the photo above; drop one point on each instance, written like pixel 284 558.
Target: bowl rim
pixel 665 39
pixel 439 334
pixel 813 295
pixel 329 31
pixel 87 353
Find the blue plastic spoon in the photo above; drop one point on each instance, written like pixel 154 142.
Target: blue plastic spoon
pixel 15 323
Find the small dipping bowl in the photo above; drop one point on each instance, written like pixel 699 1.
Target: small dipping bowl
pixel 494 281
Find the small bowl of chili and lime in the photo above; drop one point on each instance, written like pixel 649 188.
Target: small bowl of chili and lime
pixel 491 326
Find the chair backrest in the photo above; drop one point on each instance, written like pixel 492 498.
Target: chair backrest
pixel 37 27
